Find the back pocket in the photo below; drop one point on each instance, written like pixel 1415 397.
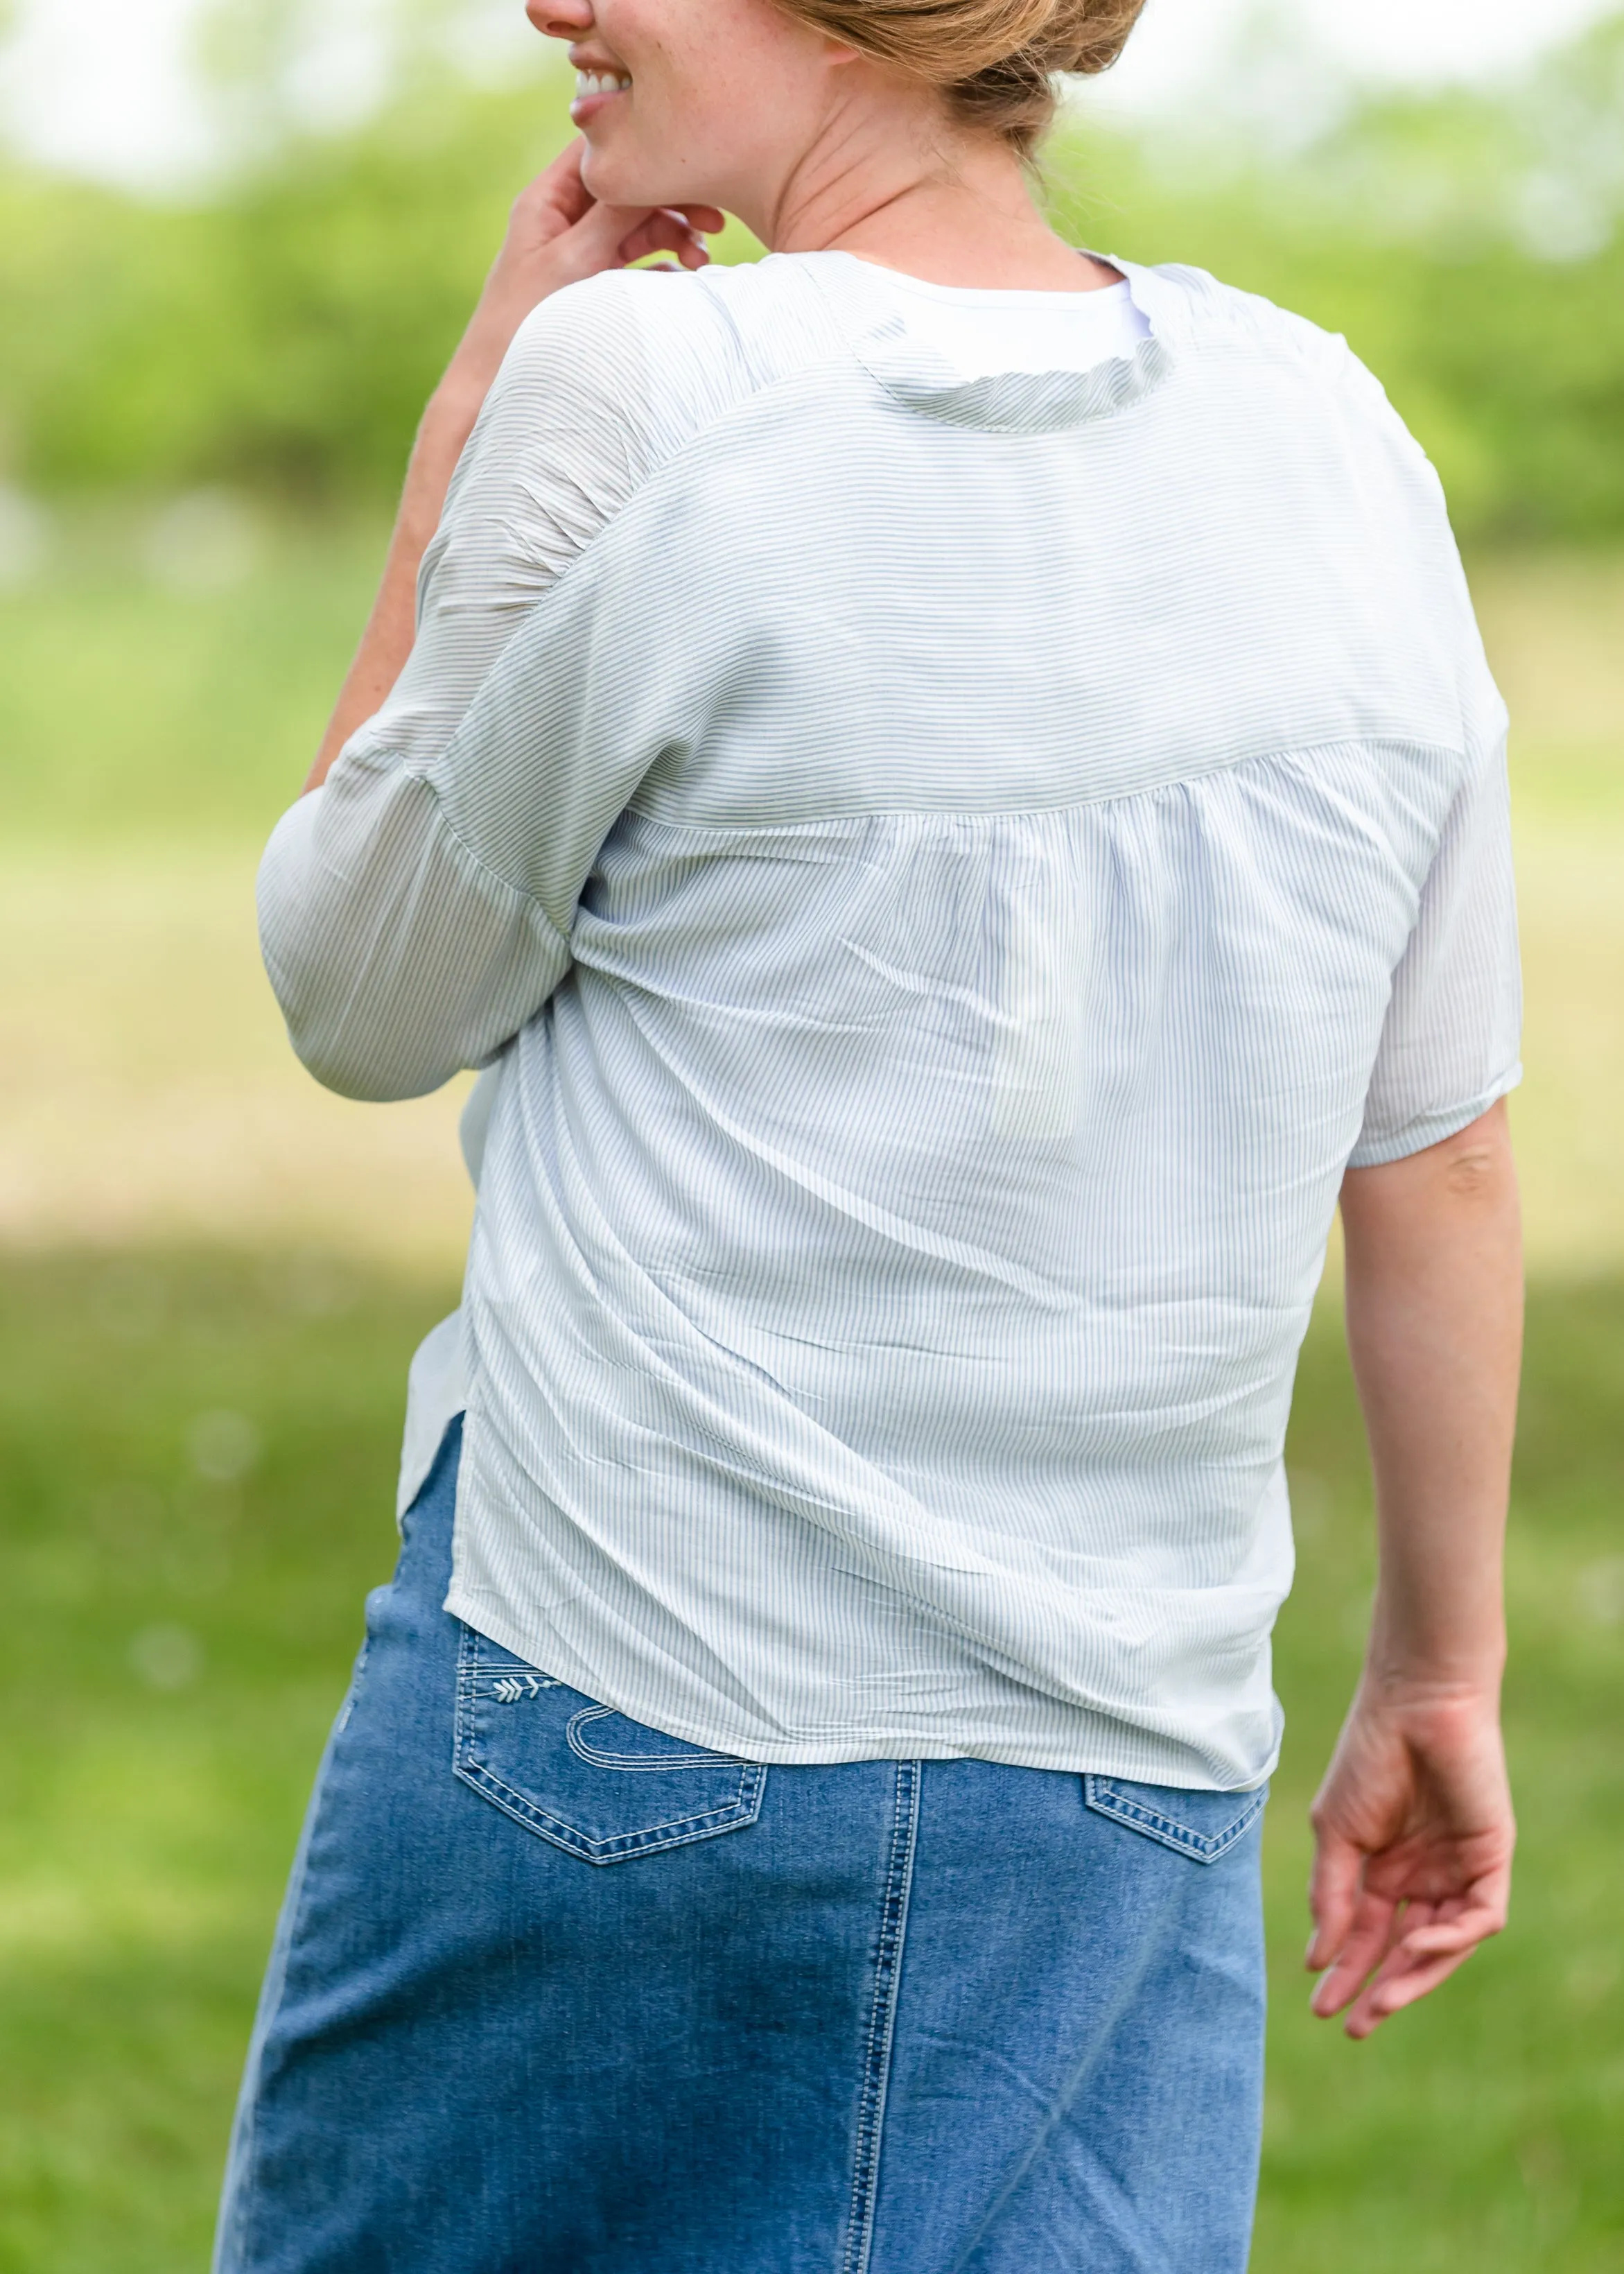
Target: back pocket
pixel 1203 1826
pixel 581 1775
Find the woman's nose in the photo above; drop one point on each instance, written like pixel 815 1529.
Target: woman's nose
pixel 560 20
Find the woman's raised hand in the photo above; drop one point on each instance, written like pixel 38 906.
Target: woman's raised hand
pixel 558 233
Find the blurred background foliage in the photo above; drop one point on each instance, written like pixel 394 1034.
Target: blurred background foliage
pixel 281 334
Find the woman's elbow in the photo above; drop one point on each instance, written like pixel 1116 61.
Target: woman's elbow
pixel 386 1010
pixel 370 1076
pixel 358 1055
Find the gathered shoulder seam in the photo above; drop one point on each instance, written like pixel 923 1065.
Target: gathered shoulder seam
pixel 1296 755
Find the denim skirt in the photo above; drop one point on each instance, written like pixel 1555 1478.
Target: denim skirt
pixel 555 1993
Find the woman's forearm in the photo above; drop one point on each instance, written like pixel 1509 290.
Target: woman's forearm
pixel 1435 1304
pixel 387 641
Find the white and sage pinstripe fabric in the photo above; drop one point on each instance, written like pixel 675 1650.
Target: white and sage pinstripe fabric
pixel 947 856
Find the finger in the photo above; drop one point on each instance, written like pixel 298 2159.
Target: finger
pixel 561 185
pixel 664 232
pixel 1439 1941
pixel 607 234
pixel 1375 1927
pixel 1388 1995
pixel 1452 1923
pixel 1449 1930
pixel 710 219
pixel 1438 1938
pixel 1332 1896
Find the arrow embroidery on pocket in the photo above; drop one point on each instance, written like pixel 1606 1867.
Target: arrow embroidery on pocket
pixel 512 1687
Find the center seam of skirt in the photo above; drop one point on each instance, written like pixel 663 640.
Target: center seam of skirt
pixel 882 2018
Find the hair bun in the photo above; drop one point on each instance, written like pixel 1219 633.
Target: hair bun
pixel 994 60
pixel 1085 36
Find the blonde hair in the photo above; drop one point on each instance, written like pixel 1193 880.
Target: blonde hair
pixel 995 61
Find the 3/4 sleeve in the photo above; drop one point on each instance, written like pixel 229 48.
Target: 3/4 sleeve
pixel 1449 1047
pixel 399 951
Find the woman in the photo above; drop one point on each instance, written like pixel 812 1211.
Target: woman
pixel 952 787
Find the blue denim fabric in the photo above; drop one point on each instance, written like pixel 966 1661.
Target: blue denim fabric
pixel 553 1993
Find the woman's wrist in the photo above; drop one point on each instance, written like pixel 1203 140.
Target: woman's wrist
pixel 1410 1691
pixel 1426 1648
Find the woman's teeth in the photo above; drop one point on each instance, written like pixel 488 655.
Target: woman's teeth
pixel 600 83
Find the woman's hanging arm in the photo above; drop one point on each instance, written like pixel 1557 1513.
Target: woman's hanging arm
pixel 1413 1825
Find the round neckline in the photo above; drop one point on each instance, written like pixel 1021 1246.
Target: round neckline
pixel 919 377
pixel 1001 295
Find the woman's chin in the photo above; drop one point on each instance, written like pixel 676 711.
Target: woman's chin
pixel 613 176
pixel 619 175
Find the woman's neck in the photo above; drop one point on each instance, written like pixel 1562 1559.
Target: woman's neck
pixel 952 210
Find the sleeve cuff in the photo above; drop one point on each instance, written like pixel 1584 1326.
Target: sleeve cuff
pixel 1376 1147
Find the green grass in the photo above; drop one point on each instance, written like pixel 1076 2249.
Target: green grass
pixel 1481 2130
pixel 132 706
pixel 174 1645
pixel 176 1637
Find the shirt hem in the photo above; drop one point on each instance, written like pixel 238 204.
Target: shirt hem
pixel 487 1617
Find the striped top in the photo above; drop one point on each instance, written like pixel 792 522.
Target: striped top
pixel 949 825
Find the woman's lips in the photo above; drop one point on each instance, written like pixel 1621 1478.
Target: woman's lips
pixel 593 90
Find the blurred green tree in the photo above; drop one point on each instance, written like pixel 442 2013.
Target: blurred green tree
pixel 283 333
